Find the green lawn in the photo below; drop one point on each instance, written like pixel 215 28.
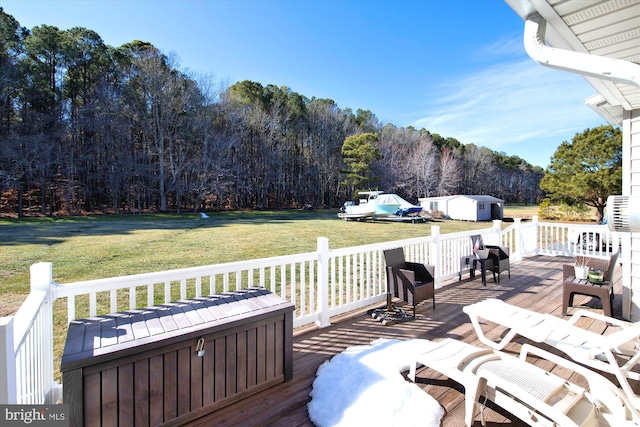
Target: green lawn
pixel 93 247
pixel 521 211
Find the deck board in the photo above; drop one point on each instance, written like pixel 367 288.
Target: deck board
pixel 535 283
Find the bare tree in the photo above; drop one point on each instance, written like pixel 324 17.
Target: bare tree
pixel 423 164
pixel 478 165
pixel 450 173
pixel 88 126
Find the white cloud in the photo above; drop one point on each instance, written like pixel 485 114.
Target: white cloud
pixel 519 107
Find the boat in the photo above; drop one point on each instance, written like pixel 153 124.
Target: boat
pixel 375 204
pixel 363 210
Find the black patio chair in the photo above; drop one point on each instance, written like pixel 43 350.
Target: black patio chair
pixel 499 256
pixel 411 281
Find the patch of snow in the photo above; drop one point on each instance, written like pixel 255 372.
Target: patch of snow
pixel 363 385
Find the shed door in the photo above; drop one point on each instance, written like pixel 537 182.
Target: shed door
pixel 496 212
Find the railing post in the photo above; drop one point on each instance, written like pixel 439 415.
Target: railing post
pixel 8 390
pixel 41 276
pixel 436 254
pixel 323 282
pixel 518 239
pixel 536 232
pixel 497 228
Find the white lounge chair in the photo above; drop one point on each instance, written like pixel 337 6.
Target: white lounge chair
pixel 617 353
pixel 536 396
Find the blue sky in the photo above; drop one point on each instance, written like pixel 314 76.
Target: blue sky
pixel 456 68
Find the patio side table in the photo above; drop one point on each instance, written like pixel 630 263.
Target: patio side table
pixel 472 262
pixel 572 286
pixel 486 264
pixel 468 262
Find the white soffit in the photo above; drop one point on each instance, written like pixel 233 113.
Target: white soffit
pixel 608 28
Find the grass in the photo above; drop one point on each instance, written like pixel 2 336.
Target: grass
pixel 521 211
pixel 93 247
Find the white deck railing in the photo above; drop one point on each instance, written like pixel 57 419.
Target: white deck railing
pixel 321 284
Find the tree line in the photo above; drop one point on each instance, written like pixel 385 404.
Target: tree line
pixel 86 127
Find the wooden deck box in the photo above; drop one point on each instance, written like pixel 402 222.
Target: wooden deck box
pixel 171 364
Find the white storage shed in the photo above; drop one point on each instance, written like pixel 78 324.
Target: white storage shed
pixel 466 207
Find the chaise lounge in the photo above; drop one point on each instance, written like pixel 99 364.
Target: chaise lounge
pixel 534 395
pixel 617 353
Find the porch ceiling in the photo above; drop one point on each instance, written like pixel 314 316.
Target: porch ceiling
pixel 608 28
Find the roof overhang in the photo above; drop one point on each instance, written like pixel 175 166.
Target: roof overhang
pixel 602 29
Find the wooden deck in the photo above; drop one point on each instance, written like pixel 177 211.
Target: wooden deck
pixel 535 284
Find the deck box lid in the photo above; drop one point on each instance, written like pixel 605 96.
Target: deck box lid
pixel 120 334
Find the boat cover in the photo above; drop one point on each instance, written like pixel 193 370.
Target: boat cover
pixel 405 207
